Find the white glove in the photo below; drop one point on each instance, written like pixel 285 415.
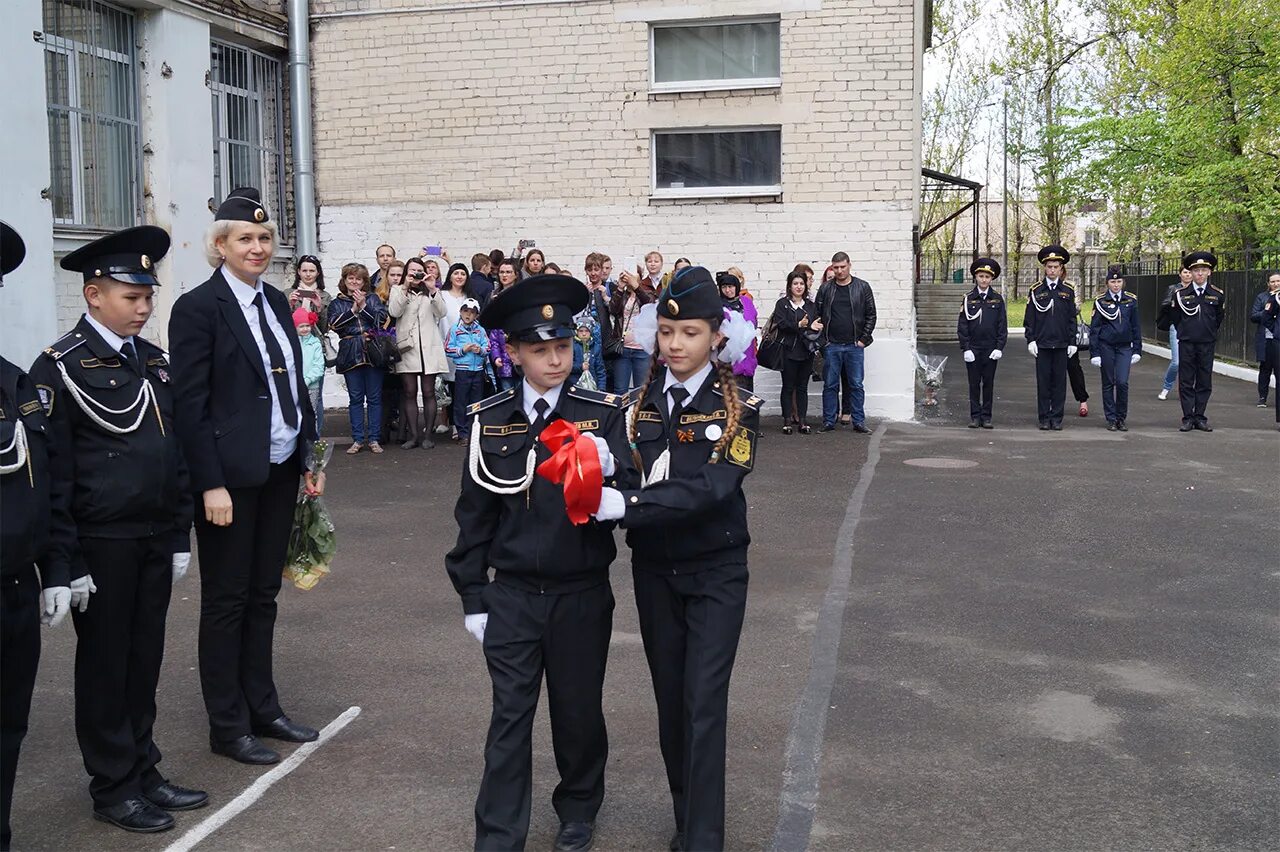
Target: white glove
pixel 968 356
pixel 476 624
pixel 612 506
pixel 996 354
pixel 1033 349
pixel 606 455
pixel 1096 360
pixel 1071 350
pixel 81 588
pixel 1135 358
pixel 180 563
pixel 56 601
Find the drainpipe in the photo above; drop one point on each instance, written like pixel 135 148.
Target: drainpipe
pixel 304 178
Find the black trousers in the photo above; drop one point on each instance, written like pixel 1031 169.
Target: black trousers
pixel 565 637
pixel 1051 384
pixel 1195 378
pixel 119 648
pixel 19 659
pixel 1075 373
pixel 1265 371
pixel 690 624
pixel 795 380
pixel 982 385
pixel 240 575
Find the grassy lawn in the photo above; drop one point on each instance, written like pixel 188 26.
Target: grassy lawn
pixel 1017 309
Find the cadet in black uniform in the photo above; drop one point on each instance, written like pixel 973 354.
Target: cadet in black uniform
pixel 1115 335
pixel 1196 311
pixel 549 608
pixel 24 543
pixel 983 329
pixel 1051 335
pixel 1271 322
pixel 695 439
pixel 121 520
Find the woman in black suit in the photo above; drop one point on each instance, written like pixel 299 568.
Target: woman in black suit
pixel 791 317
pixel 246 425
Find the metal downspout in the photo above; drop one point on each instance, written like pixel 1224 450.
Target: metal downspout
pixel 304 178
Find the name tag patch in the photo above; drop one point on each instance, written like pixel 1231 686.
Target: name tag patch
pixel 587 425
pixel 509 429
pixel 703 418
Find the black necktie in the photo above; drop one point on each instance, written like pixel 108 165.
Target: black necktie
pixel 540 407
pixel 680 396
pixel 130 356
pixel 279 372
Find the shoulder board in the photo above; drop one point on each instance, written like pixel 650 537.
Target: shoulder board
pixel 613 400
pixel 64 344
pixel 1219 289
pixel 1069 285
pixel 746 397
pixel 490 402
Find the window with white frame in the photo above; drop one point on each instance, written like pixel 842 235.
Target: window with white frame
pixel 738 53
pixel 717 162
pixel 91 88
pixel 248 125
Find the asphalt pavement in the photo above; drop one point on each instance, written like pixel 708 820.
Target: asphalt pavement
pixel 955 639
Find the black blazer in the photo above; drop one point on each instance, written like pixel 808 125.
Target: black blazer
pixel 223 399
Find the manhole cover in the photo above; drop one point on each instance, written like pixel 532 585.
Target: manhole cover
pixel 951 464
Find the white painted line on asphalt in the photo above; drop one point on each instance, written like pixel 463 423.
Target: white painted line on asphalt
pixel 241 803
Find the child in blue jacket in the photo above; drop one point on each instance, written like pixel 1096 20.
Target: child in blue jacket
pixel 468 349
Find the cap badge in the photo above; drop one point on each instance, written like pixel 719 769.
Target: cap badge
pixel 259 215
pixel 548 312
pixel 145 261
pixel 674 307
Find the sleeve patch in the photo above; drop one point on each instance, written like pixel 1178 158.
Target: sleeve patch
pixel 45 392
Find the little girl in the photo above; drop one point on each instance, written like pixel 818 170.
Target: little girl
pixel 312 360
pixel 693 434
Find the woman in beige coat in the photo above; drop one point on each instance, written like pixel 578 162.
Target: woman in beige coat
pixel 417 307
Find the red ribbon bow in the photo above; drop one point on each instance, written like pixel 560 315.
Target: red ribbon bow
pixel 576 463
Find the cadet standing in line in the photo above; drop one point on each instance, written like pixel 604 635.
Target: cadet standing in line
pixel 1115 335
pixel 121 521
pixel 1196 311
pixel 549 608
pixel 1051 335
pixel 24 543
pixel 695 436
pixel 1271 322
pixel 983 329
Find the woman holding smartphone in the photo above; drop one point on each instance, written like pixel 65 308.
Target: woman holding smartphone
pixel 418 309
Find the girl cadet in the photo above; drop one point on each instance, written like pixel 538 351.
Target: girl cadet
pixel 983 330
pixel 1117 345
pixel 694 439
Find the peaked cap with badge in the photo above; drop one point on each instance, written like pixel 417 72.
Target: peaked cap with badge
pixel 1053 252
pixel 541 307
pixel 129 256
pixel 985 264
pixel 1200 258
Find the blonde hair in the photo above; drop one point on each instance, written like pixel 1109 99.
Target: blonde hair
pixel 383 290
pixel 221 229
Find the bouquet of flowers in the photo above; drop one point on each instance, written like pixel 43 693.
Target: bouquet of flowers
pixel 312 543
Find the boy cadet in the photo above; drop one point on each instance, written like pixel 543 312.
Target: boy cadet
pixel 1051 335
pixel 549 608
pixel 983 330
pixel 121 521
pixel 1196 310
pixel 24 542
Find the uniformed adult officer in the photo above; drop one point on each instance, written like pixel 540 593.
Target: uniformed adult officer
pixel 1196 311
pixel 1051 334
pixel 121 521
pixel 549 608
pixel 24 543
pixel 983 329
pixel 1115 335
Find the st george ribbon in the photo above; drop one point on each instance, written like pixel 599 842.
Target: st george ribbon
pixel 575 462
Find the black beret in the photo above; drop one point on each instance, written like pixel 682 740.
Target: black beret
pixel 692 294
pixel 243 205
pixel 985 264
pixel 541 307
pixel 1114 271
pixel 1053 252
pixel 12 249
pixel 129 256
pixel 1200 258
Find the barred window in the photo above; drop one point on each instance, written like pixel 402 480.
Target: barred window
pixel 248 125
pixel 92 92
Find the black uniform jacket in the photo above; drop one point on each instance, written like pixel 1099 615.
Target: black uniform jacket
pixel 106 484
pixel 1206 313
pixel 1054 328
pixel 697 517
pixel 991 329
pixel 527 537
pixel 224 400
pixel 1123 331
pixel 24 492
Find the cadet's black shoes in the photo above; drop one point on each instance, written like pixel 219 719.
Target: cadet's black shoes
pixel 1203 425
pixel 135 815
pixel 575 837
pixel 1186 426
pixel 287 730
pixel 171 797
pixel 244 749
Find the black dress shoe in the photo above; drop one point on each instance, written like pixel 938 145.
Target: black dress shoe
pixel 171 797
pixel 1044 427
pixel 1057 427
pixel 287 730
pixel 246 749
pixel 1122 426
pixel 575 836
pixel 1111 426
pixel 986 424
pixel 1186 426
pixel 973 423
pixel 861 427
pixel 1203 426
pixel 137 815
pixel 677 842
